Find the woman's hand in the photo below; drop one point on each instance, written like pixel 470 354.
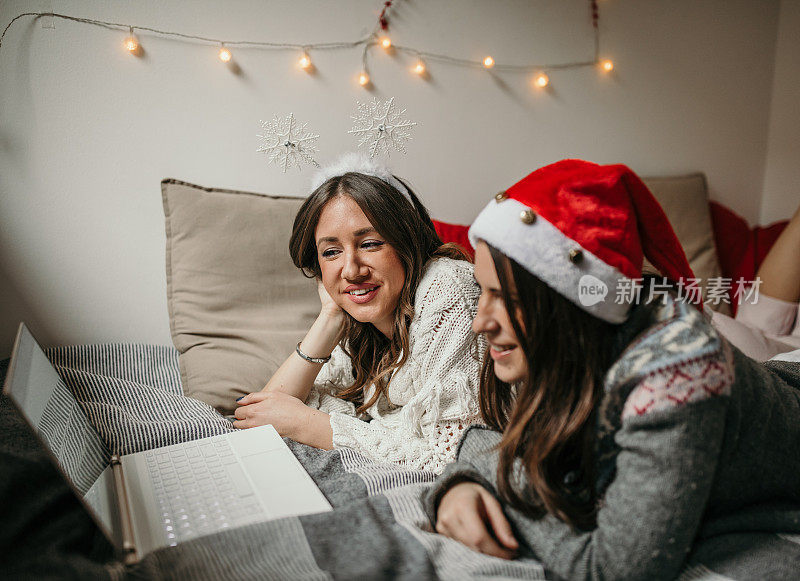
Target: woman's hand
pixel 329 306
pixel 295 377
pixel 469 514
pixel 288 415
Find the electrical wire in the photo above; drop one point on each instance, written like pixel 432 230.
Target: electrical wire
pixel 367 42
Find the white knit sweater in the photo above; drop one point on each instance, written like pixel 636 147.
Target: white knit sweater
pixel 432 398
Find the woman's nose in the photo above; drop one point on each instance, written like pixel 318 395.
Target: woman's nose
pixel 483 322
pixel 353 268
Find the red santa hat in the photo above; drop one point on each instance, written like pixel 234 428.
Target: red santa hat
pixel 583 229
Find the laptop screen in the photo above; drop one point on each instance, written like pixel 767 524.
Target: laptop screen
pixel 50 408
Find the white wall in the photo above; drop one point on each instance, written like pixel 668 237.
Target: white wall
pixel 87 131
pixel 782 177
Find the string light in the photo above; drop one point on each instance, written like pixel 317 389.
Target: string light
pixel 542 80
pixel 370 40
pixel 131 44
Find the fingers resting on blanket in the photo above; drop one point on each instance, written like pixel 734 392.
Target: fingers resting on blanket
pixel 289 416
pixel 469 514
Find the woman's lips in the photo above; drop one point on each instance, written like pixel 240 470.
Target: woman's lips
pixel 364 294
pixel 500 351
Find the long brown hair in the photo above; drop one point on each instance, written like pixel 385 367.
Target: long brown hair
pixel 548 419
pixel 407 226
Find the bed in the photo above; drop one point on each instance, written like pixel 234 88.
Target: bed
pixel 133 395
pixel 237 306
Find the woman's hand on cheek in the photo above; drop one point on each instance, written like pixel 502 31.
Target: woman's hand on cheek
pixel 469 514
pixel 285 412
pixel 329 306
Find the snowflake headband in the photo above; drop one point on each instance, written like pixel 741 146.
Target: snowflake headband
pixel 358 163
pixel 378 125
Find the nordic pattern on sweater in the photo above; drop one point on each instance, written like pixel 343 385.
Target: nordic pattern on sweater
pixel 432 398
pixel 694 380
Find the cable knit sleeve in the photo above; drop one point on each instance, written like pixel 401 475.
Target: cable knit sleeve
pixel 334 376
pixel 384 441
pixel 434 395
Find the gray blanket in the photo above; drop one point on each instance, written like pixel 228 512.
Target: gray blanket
pixel 378 528
pixel 132 394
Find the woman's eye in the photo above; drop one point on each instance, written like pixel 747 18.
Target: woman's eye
pixel 372 244
pixel 330 253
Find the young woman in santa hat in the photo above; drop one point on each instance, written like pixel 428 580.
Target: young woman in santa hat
pixel 626 438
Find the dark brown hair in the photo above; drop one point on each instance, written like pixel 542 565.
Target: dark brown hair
pixel 407 226
pixel 548 419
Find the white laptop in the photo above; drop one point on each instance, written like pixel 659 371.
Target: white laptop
pixel 164 496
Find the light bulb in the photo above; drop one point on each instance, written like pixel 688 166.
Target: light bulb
pixel 419 68
pixel 488 62
pixel 607 65
pixel 363 79
pixel 305 61
pixel 131 44
pixel 386 42
pixel 542 80
pixel 224 54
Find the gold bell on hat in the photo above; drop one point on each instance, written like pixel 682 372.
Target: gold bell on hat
pixel 527 216
pixel 500 196
pixel 575 255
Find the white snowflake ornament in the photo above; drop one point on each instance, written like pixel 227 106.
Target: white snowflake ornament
pixel 286 143
pixel 380 126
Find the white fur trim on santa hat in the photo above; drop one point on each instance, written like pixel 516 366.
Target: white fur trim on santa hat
pixel 358 162
pixel 544 250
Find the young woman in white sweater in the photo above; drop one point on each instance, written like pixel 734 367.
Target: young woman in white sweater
pixel 390 367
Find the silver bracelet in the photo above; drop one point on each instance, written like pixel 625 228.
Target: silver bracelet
pixel 319 360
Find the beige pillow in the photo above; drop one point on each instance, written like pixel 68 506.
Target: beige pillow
pixel 685 202
pixel 237 304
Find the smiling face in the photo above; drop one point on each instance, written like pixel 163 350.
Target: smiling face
pixel 360 270
pixel 494 321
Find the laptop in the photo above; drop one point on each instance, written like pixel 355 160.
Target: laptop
pixel 165 496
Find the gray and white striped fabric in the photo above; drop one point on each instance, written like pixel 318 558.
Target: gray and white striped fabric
pixel 132 395
pixel 378 529
pixel 403 489
pixel 78 449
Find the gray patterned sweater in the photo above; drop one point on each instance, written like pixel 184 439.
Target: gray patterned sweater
pixel 698 464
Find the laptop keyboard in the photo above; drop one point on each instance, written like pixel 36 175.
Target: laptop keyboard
pixel 200 488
